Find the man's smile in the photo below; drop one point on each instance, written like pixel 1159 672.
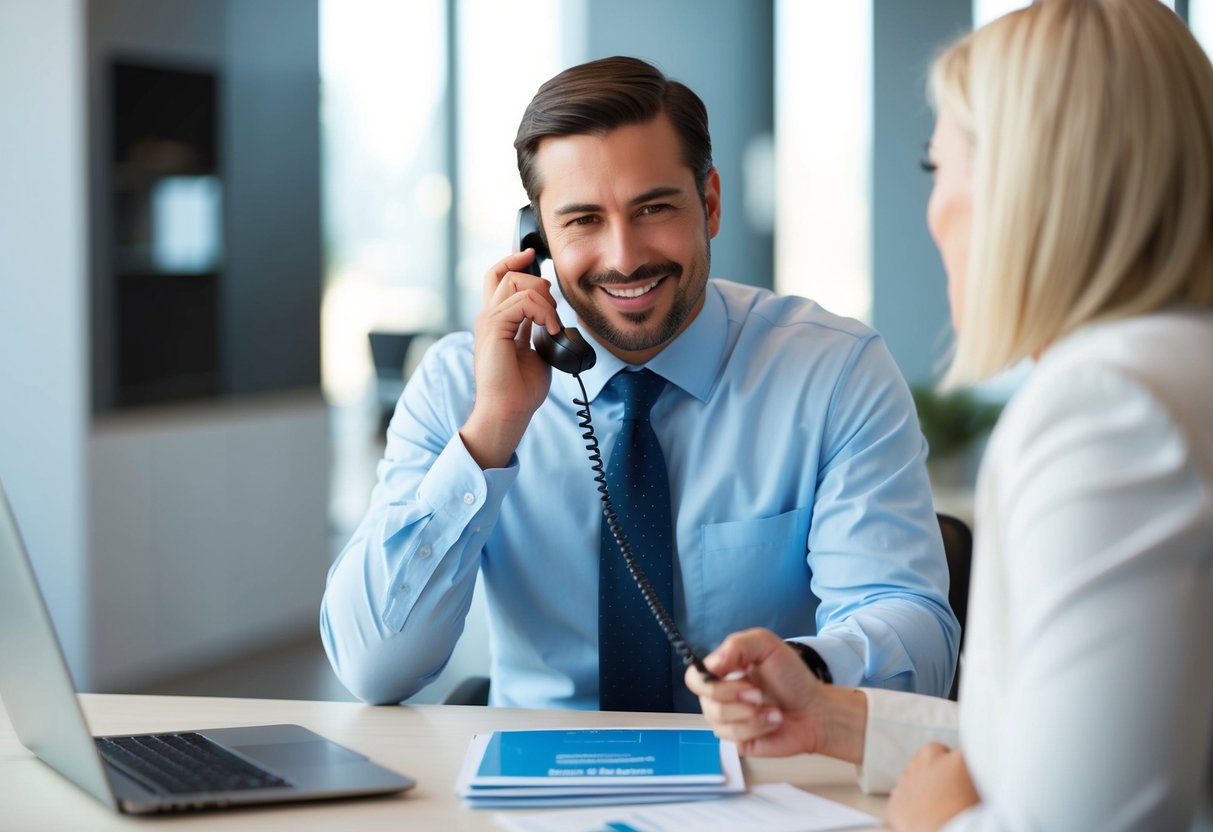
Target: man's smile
pixel 634 292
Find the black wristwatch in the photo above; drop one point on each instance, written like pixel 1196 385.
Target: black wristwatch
pixel 816 664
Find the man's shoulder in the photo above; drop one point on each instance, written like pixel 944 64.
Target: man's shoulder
pixel 444 360
pixel 791 315
pixel 452 347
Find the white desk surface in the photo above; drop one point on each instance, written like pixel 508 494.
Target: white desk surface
pixel 425 742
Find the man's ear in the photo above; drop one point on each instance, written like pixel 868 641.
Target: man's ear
pixel 711 201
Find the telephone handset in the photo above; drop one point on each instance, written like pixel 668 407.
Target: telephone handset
pixel 569 352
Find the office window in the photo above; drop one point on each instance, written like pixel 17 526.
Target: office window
pixel 394 169
pixel 986 10
pixel 823 148
pixel 387 191
pixel 1200 18
pixel 493 91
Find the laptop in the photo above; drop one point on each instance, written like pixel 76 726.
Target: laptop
pixel 201 769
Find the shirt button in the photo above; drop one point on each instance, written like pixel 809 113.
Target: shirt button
pixel 468 498
pixel 404 588
pixel 476 530
pixel 424 551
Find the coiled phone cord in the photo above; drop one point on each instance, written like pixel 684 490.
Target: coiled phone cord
pixel 664 619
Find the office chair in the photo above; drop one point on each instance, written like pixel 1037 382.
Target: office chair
pixel 957 547
pixel 395 356
pixel 388 353
pixel 474 690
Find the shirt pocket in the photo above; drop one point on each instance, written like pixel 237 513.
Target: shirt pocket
pixel 753 573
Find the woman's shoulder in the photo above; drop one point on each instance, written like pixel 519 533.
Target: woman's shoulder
pixel 1137 376
pixel 1155 344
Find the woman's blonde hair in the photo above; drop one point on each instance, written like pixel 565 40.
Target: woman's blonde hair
pixel 1091 128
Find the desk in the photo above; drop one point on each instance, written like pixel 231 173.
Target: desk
pixel 425 742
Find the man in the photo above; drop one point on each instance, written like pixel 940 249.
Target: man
pixel 798 497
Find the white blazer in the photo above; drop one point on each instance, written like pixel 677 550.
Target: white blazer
pixel 1086 692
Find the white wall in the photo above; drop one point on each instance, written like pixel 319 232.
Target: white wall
pixel 43 292
pixel 209 534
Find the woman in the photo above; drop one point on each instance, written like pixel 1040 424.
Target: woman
pixel 1073 207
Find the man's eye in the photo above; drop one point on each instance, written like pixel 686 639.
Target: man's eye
pixel 586 220
pixel 654 209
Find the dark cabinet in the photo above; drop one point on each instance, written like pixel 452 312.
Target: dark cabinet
pixel 166 277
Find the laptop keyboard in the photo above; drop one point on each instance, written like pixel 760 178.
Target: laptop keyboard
pixel 184 763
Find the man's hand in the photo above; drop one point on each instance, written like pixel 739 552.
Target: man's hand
pixel 769 703
pixel 934 788
pixel 511 379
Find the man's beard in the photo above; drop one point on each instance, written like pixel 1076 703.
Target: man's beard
pixel 658 332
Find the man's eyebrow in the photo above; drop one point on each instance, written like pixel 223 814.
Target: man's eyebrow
pixel 647 196
pixel 577 208
pixel 657 193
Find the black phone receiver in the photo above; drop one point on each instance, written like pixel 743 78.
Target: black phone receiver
pixel 567 350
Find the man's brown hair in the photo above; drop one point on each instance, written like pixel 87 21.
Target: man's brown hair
pixel 599 96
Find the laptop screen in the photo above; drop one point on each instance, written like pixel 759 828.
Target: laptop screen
pixel 35 684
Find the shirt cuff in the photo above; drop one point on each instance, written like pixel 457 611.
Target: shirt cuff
pixel 455 482
pixel 456 507
pixel 845 666
pixel 898 725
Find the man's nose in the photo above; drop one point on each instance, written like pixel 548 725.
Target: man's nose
pixel 626 248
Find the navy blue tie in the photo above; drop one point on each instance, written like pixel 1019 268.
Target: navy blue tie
pixel 634 660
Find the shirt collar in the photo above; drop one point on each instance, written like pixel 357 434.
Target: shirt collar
pixel 691 361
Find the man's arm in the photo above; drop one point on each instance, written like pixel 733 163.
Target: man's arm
pixel 397 596
pixel 874 543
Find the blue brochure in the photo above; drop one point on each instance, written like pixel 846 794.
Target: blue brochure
pixel 599 757
pixel 584 767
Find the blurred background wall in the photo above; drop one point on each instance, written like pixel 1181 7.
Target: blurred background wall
pixel 165 440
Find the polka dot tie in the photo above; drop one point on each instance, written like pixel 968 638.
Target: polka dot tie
pixel 634 657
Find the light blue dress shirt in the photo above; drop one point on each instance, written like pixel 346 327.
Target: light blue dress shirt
pixel 800 501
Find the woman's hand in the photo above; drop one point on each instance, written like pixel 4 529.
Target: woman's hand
pixel 769 703
pixel 934 788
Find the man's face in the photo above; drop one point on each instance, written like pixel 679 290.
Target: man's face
pixel 628 232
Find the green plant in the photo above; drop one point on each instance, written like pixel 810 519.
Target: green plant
pixel 952 422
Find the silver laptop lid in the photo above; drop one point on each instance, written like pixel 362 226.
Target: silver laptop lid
pixel 35 684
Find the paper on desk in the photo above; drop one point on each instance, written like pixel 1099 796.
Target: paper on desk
pixel 774 807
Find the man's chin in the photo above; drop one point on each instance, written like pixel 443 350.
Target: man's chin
pixel 628 331
pixel 637 321
pixel 631 339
